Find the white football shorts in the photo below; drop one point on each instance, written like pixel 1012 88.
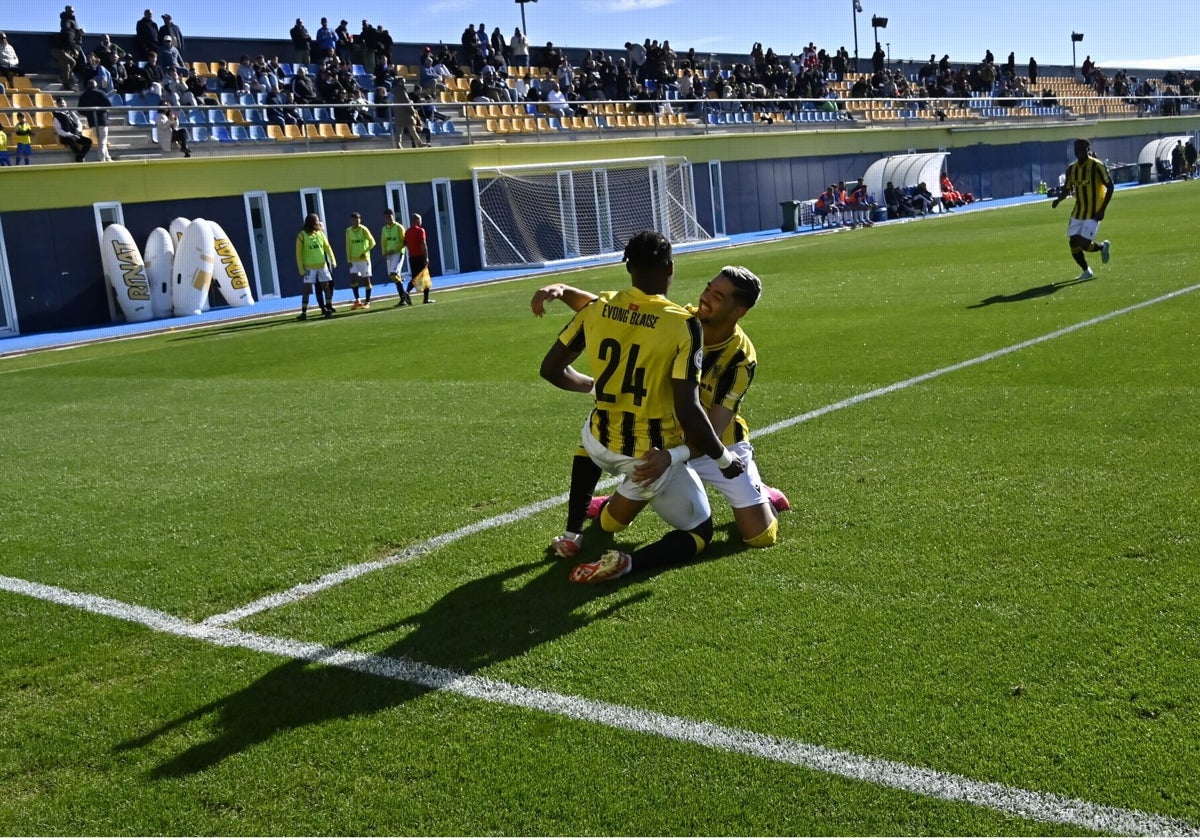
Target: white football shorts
pixel 746 490
pixel 1083 227
pixel 395 264
pixel 677 496
pixel 317 275
pixel 360 267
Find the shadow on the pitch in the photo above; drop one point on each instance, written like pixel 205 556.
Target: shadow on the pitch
pixel 480 623
pixel 1029 294
pixel 484 621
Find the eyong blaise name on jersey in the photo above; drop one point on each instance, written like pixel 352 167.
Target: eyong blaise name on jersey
pixel 631 316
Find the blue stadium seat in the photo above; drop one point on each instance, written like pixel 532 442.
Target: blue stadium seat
pixel 138 118
pixel 381 129
pixel 229 98
pixel 199 134
pixel 259 134
pixel 360 130
pixel 239 134
pixel 220 134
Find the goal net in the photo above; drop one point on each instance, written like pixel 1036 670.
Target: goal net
pixel 547 213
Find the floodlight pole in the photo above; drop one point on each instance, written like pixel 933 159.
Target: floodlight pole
pixel 1076 37
pixel 855 8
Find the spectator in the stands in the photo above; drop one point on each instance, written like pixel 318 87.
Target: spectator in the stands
pixel 1086 69
pixel 383 45
pixel 110 54
pixel 168 55
pixel 385 74
pixel 175 90
pixel 135 79
pixel 170 134
pixel 301 42
pixel 94 105
pixel 324 43
pixel 558 102
pixel 10 64
pixel 281 109
pixel 68 50
pixel 433 75
pixel 499 45
pixel 303 90
pixel 99 74
pixel 247 74
pixel 169 29
pixel 408 122
pixel 365 48
pixel 227 80
pixel 345 42
pixel 146 39
pixel 69 129
pixel 156 76
pixel 519 46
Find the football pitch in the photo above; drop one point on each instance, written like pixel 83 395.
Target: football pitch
pixel 279 578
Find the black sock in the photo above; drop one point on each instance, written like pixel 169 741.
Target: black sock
pixel 367 296
pixel 674 547
pixel 584 475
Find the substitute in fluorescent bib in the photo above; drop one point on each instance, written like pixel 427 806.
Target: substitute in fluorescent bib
pixel 1088 180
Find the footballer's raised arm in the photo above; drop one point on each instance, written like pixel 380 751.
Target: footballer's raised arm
pixel 572 297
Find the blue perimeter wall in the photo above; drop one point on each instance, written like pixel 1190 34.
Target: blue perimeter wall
pixel 49 224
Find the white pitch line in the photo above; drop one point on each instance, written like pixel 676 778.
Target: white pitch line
pixel 948 787
pixel 304 590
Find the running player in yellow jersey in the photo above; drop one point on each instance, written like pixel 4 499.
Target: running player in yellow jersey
pixel 646 354
pixel 726 374
pixel 1088 180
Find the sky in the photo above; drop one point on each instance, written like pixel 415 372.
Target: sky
pixel 1117 33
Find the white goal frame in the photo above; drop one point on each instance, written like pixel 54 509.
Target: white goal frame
pixel 555 213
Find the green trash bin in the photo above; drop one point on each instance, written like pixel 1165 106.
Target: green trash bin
pixel 791 216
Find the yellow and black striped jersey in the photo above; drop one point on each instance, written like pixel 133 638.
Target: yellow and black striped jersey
pixel 1090 182
pixel 725 377
pixel 636 344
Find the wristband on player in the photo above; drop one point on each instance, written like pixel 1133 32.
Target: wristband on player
pixel 726 458
pixel 679 454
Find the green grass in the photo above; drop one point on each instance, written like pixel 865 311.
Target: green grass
pixel 991 573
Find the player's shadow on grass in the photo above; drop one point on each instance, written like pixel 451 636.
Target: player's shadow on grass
pixel 483 622
pixel 1028 294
